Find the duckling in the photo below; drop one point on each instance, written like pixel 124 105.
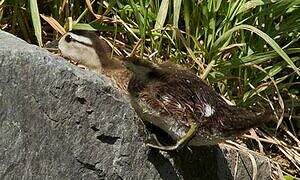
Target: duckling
pixel 172 98
pixel 185 107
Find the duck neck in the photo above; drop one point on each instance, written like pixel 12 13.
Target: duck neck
pixel 110 63
pixel 114 69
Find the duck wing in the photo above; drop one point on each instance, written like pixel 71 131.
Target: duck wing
pixel 179 95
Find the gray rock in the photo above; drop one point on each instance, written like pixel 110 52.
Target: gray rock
pixel 61 122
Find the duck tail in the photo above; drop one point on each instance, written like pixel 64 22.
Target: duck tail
pixel 244 119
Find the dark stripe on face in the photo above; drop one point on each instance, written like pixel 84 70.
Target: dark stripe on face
pixel 101 47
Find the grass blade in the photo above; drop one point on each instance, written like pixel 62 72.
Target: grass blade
pixel 35 16
pixel 177 5
pixel 1 9
pixel 250 5
pixel 53 23
pixel 162 14
pixel 264 36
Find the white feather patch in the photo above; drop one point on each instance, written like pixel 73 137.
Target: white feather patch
pixel 208 110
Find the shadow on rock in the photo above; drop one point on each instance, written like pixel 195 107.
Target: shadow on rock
pixel 191 163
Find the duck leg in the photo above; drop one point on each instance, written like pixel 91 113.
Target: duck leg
pixel 185 139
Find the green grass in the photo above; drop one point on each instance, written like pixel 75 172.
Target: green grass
pixel 248 50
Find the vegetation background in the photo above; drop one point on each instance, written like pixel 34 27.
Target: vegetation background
pixel 248 50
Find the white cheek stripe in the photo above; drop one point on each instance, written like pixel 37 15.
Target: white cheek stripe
pixel 82 39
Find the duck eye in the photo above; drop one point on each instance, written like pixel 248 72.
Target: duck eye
pixel 68 38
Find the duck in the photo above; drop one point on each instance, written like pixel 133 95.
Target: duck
pixel 168 96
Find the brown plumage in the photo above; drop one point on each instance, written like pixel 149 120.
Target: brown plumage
pixel 170 97
pixel 173 98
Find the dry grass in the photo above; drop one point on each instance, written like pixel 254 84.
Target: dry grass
pixel 247 50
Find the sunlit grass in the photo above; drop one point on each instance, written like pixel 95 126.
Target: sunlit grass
pixel 248 50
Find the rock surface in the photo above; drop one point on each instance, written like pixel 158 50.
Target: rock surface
pixel 61 122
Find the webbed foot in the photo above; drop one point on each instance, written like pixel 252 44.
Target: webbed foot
pixel 184 140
